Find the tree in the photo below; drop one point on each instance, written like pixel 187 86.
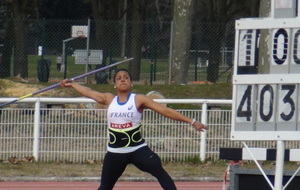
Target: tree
pixel 138 8
pixel 18 13
pixel 7 43
pixel 217 22
pixel 105 14
pixel 64 9
pixel 139 16
pixel 263 63
pixel 217 14
pixel 182 16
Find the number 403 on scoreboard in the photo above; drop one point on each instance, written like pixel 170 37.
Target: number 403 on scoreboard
pixel 267 107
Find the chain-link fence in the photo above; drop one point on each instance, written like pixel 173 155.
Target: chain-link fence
pixel 50 50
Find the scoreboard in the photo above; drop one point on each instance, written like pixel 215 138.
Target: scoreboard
pixel 266 80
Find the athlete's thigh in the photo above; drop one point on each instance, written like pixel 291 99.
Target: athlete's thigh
pixel 113 166
pixel 147 160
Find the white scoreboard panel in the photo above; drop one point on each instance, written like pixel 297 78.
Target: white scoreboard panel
pixel 266 105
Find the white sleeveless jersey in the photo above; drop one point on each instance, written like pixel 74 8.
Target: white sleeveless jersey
pixel 123 117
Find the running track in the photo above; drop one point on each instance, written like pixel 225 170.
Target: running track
pixel 94 185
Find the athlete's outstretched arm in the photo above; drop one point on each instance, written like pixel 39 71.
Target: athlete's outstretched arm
pixel 146 102
pixel 100 97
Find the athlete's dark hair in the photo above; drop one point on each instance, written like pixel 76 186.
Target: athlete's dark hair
pixel 118 70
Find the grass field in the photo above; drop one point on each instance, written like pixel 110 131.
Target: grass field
pixel 161 69
pixel 77 69
pixel 178 171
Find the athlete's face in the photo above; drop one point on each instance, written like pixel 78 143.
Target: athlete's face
pixel 122 80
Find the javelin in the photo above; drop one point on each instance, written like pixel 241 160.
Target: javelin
pixel 58 84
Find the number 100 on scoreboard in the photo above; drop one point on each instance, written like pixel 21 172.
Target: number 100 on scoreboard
pixel 266 80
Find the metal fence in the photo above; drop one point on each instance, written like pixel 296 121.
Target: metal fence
pixel 50 132
pixel 47 51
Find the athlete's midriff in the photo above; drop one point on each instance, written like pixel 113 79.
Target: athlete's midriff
pixel 120 138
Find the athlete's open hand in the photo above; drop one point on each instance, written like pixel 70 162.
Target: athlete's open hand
pixel 199 126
